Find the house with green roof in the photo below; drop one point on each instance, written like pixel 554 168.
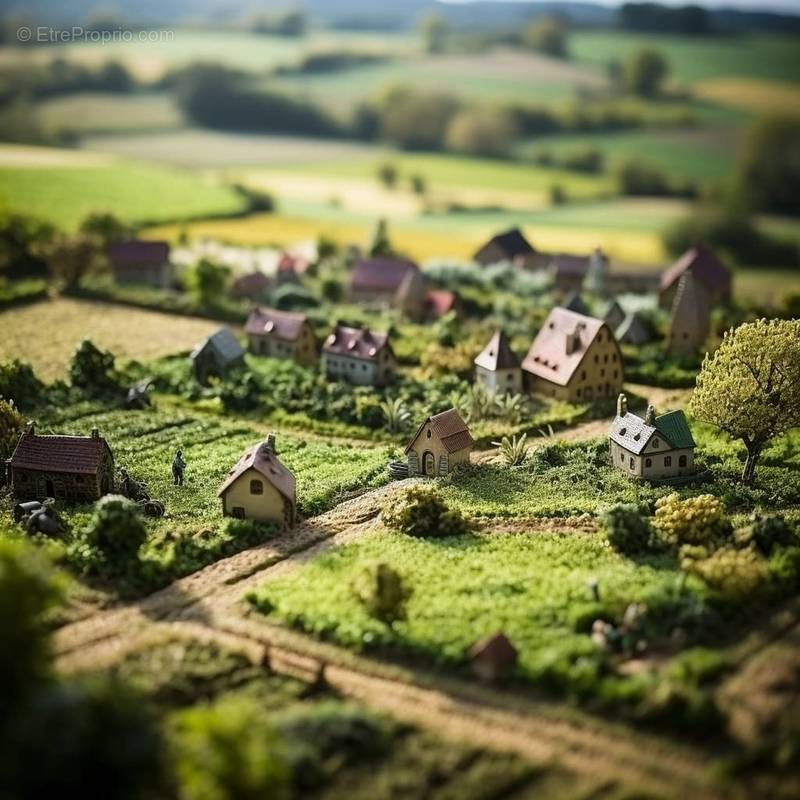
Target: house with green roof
pixel 653 447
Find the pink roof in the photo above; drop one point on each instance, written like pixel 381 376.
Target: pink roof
pixel 704 264
pixel 549 357
pixel 439 302
pixel 138 252
pixel 290 263
pixel 355 342
pixel 263 460
pixel 80 455
pixel 381 274
pixel 285 325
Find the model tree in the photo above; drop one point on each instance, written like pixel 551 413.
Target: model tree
pixel 12 424
pixel 750 387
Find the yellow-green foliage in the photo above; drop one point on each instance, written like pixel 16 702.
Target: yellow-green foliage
pixel 11 425
pixel 734 573
pixel 422 512
pixel 694 520
pixel 382 592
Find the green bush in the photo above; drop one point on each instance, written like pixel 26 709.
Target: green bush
pixel 12 423
pixel 768 533
pixel 420 511
pixel 627 530
pixel 382 592
pixel 19 383
pixel 92 369
pixel 734 574
pixel 229 750
pixel 694 520
pixel 116 528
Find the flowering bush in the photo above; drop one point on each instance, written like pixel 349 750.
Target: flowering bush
pixel 734 573
pixel 695 520
pixel 422 512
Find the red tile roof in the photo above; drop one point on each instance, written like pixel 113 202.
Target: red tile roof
pixel 549 357
pixel 262 459
pixel 439 302
pixel 79 455
pixel 449 428
pixel 704 264
pixel 497 354
pixel 138 253
pixel 285 325
pixel 250 285
pixel 355 342
pixel 381 274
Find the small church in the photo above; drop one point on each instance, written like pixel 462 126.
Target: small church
pixel 653 447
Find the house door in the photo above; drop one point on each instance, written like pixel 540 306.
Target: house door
pixel 49 488
pixel 429 464
pixel 588 393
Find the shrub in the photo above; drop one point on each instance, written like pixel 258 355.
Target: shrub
pixel 229 750
pixel 116 527
pixel 768 533
pixel 12 423
pixel 422 512
pixel 513 451
pixel 784 568
pixel 736 574
pixel 19 383
pixel 627 530
pixel 695 520
pixel 479 132
pixel 92 369
pixel 381 591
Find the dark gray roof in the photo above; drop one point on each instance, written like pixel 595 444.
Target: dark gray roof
pixel 224 344
pixel 497 354
pixel 574 302
pixel 512 243
pixel 634 330
pixel 633 433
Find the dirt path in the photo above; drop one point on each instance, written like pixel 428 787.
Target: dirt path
pixel 209 605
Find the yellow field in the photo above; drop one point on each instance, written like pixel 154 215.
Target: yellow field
pixel 751 94
pixel 46 334
pixel 635 247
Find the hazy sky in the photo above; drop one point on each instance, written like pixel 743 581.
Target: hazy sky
pixel 766 5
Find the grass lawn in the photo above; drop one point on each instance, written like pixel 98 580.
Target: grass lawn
pixel 128 332
pixel 66 191
pixel 464 588
pixel 769 57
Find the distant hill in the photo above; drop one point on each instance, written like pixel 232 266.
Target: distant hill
pixel 368 14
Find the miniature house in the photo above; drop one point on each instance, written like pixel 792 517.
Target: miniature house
pixel 497 367
pixel 574 302
pixel 614 315
pixel 655 447
pixel 690 319
pixel 389 283
pixel 260 487
pixel 75 469
pixel 574 358
pixel 281 334
pixel 634 330
pixel 568 271
pixel 141 262
pixel 252 286
pixel 511 246
pixel 359 356
pixel 493 658
pixel 440 444
pixel 216 355
pixel 705 266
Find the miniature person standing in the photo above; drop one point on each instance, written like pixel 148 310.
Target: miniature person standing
pixel 178 466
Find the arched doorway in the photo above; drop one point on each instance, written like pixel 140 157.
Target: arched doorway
pixel 428 464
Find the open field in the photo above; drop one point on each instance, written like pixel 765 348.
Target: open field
pixel 98 112
pixel 46 334
pixel 752 94
pixel 66 193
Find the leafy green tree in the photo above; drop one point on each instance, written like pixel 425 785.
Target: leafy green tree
pixel 382 592
pixel 73 258
pixel 92 369
pixel 19 383
pixel 434 32
pixel 769 165
pixel 12 423
pixel 479 132
pixel 548 35
pixel 207 281
pixel 229 751
pixel 645 71
pixel 750 387
pixel 380 245
pixel 106 227
pixel 387 175
pixel 21 241
pixel 116 528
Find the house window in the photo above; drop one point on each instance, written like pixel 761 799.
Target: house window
pixel 79 479
pixel 614 357
pixel 605 358
pixel 682 461
pixel 596 359
pixel 655 444
pixel 237 512
pixel 648 462
pixel 602 373
pixel 667 461
pixel 23 478
pixel 578 392
pixel 622 456
pixel 615 373
pixel 583 375
pixel 256 487
pixel 428 434
pixel 631 464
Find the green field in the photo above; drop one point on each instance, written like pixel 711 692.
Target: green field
pixel 65 192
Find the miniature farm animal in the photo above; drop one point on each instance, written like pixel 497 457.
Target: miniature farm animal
pixel 138 397
pixel 38 517
pixel 139 493
pixel 178 467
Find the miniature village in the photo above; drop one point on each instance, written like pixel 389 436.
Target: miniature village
pixel 538 478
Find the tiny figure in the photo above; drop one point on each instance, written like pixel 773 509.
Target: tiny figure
pixel 140 494
pixel 178 466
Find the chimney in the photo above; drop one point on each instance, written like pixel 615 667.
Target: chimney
pixel 95 433
pixel 622 405
pixel 573 341
pixel 650 416
pixel 269 444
